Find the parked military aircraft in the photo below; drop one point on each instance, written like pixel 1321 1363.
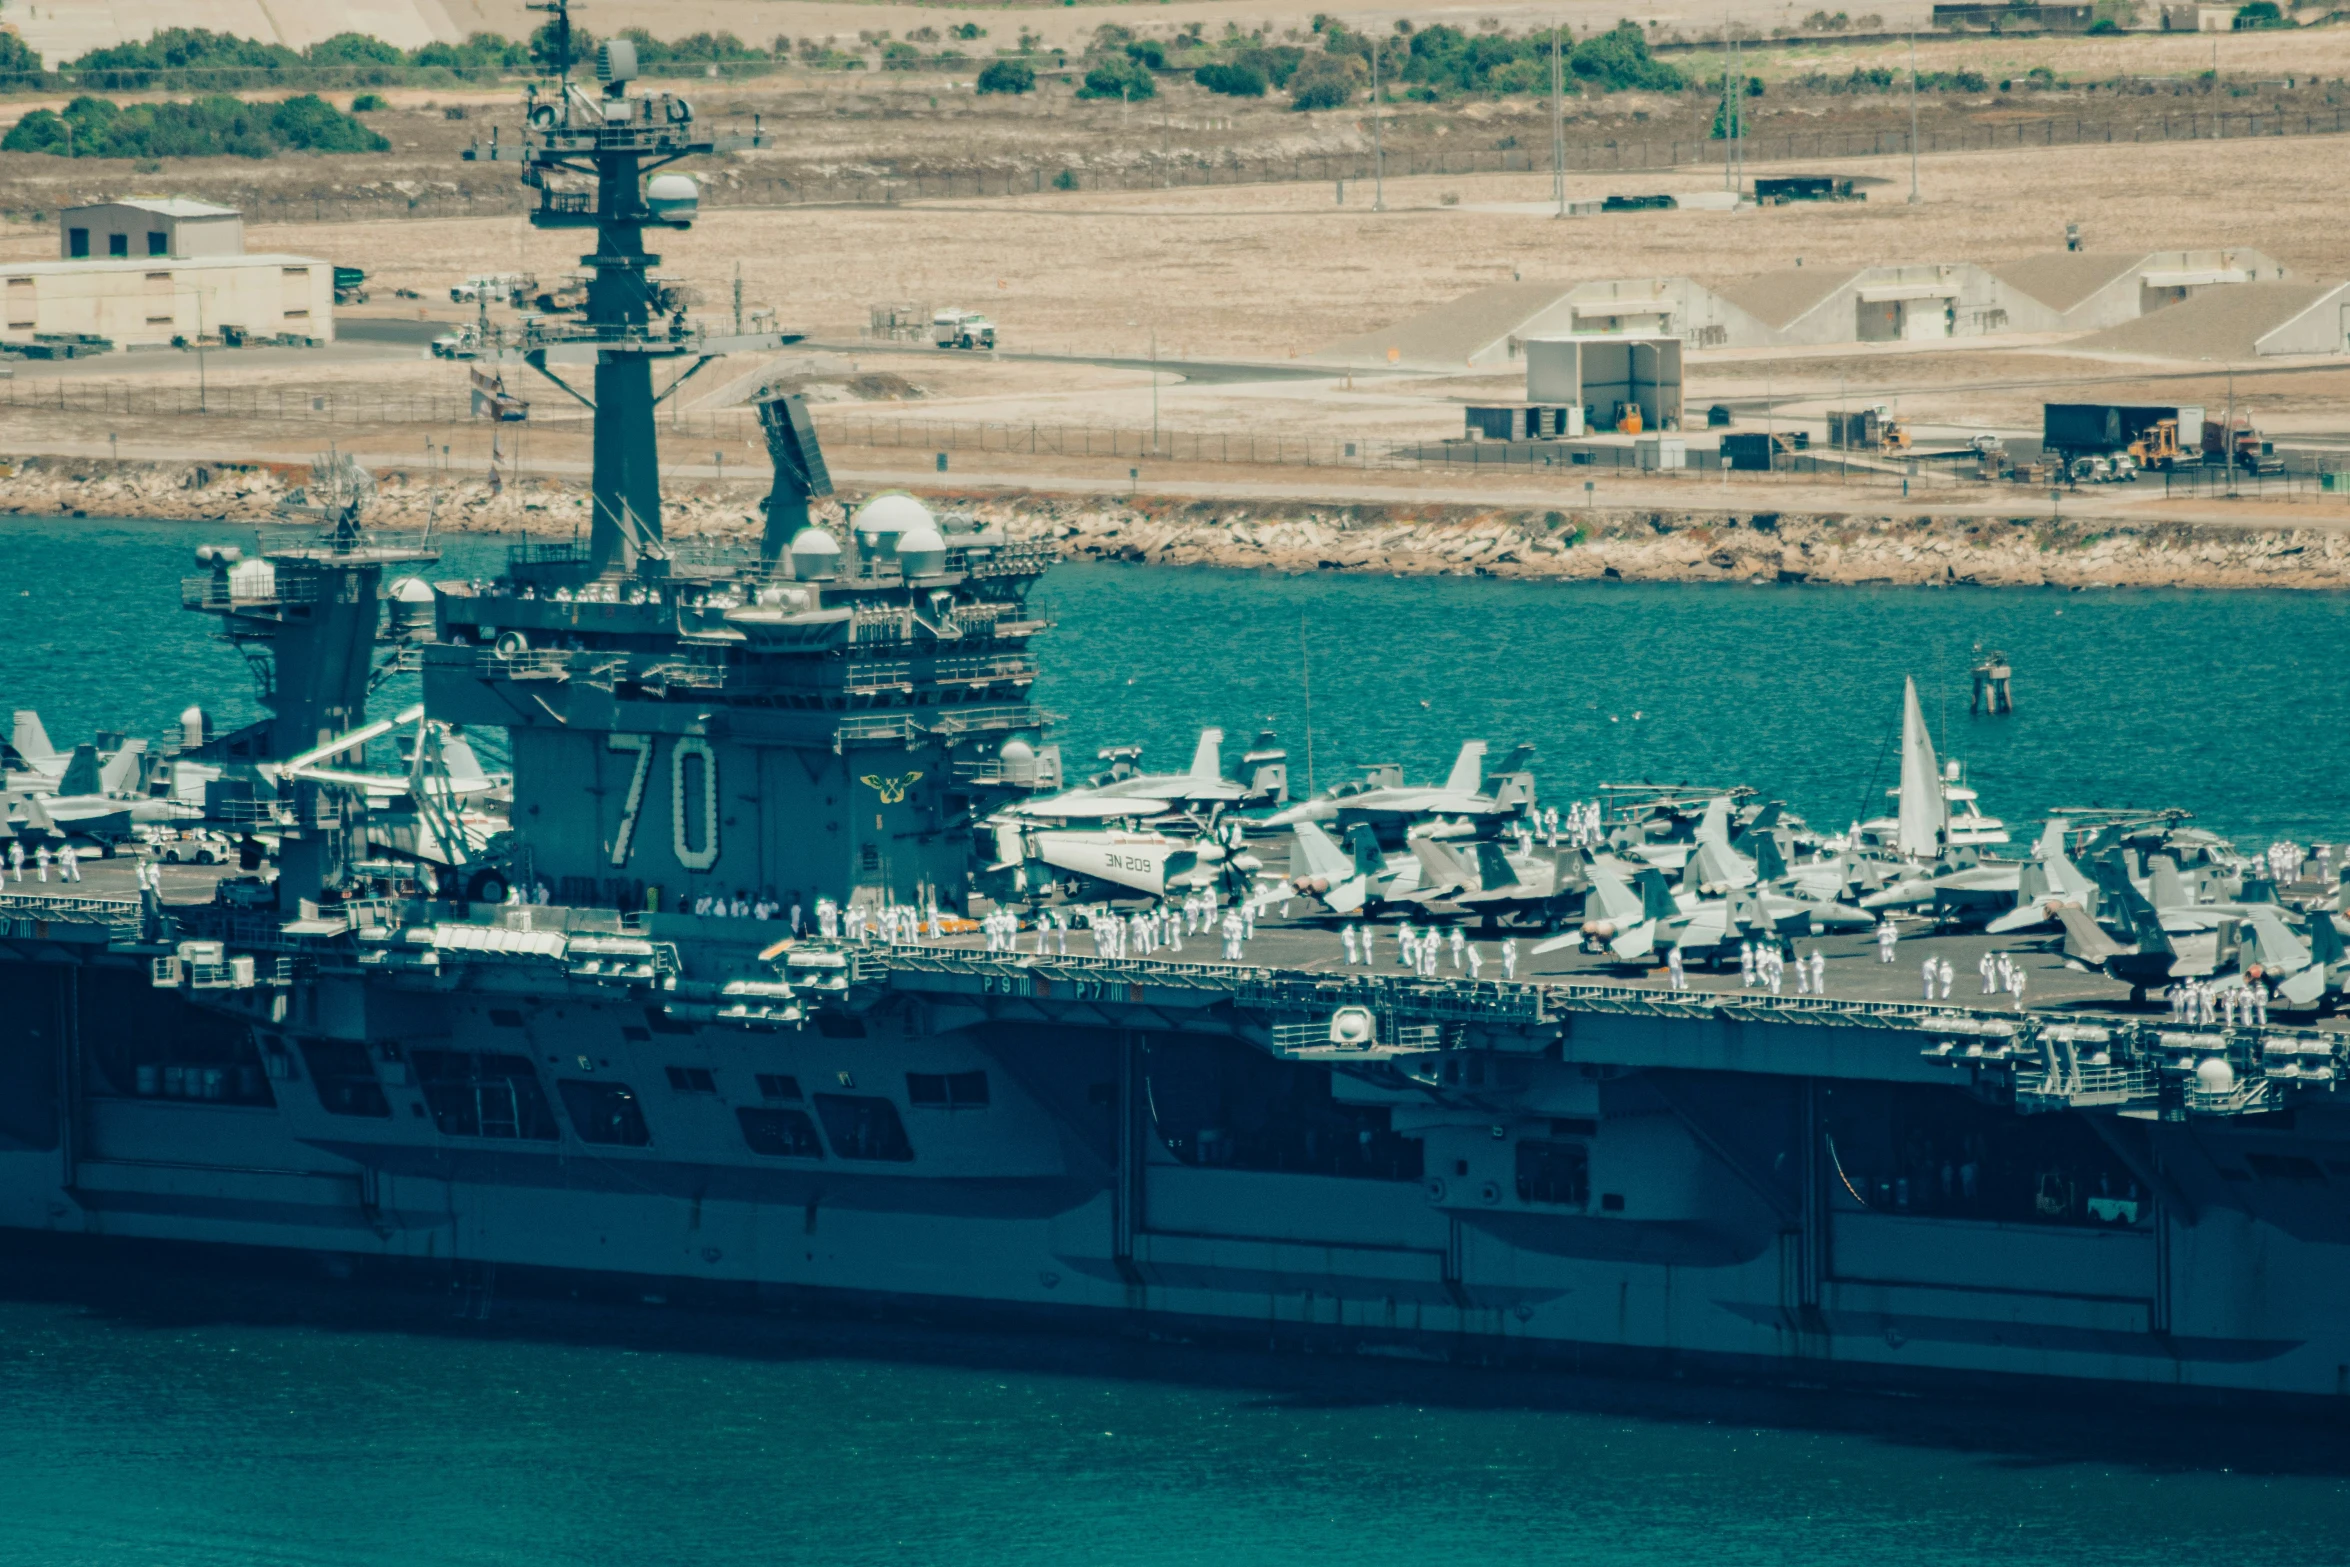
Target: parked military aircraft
pixel 1143 796
pixel 1469 794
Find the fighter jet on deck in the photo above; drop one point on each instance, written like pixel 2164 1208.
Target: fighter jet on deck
pixel 1348 881
pixel 1143 796
pixel 1485 879
pixel 1468 794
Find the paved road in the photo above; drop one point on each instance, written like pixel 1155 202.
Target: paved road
pixel 1202 372
pixel 1340 486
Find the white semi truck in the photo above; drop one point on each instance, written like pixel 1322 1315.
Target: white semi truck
pixel 962 329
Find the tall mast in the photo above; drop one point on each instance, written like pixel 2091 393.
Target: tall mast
pixel 593 158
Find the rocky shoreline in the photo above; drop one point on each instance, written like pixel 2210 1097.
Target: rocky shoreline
pixel 1632 546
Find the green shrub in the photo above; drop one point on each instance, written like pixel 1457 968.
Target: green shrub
pixel 213 126
pixel 1233 81
pixel 1065 180
pixel 1148 52
pixel 2261 13
pixel 367 103
pixel 1118 77
pixel 20 66
pixel 311 124
pixel 1279 62
pixel 1324 90
pixel 1008 76
pixel 1618 60
pixel 354 49
pixel 548 56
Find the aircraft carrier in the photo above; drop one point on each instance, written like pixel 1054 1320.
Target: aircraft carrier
pixel 564 1029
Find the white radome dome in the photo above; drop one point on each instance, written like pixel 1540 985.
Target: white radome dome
pixel 672 195
pixel 814 553
pixel 2214 1076
pixel 252 579
pixel 922 552
pixel 885 517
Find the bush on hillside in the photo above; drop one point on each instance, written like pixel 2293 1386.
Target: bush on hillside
pixel 213 126
pixel 1618 61
pixel 1233 81
pixel 1118 77
pixel 1007 76
pixel 20 65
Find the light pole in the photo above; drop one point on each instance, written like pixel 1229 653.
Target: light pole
pixel 1913 119
pixel 1155 392
pixel 1727 122
pixel 1558 121
pixel 2228 447
pixel 1378 155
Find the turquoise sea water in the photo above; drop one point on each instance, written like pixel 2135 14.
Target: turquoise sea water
pixel 223 1445
pixel 2230 705
pixel 199 1439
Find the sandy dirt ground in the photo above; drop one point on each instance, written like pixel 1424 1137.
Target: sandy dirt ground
pixel 1263 273
pixel 1272 272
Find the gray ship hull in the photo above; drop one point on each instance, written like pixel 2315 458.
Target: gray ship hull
pixel 1128 1161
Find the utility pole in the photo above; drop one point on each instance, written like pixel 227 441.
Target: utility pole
pixel 1558 119
pixel 738 299
pixel 1728 148
pixel 1378 156
pixel 1913 119
pixel 2229 448
pixel 1737 121
pixel 1154 391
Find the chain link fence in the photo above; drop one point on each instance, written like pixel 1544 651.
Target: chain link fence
pixel 1153 171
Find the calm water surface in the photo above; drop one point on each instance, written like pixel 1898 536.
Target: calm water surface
pixel 193 1446
pixel 126 1442
pixel 2230 705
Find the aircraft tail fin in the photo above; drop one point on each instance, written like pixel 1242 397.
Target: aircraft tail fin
pixel 1714 826
pixel 2111 878
pixel 1617 902
pixel 1370 859
pixel 2084 938
pixel 2325 941
pixel 2144 922
pixel 1207 762
pixel 464 768
pixel 29 738
pixel 1322 857
pixel 2163 883
pixel 2281 951
pixel 2051 844
pixel 1506 789
pixel 1441 870
pixel 121 772
pixel 1656 899
pixel 1770 862
pixel 1493 867
pixel 81 774
pixel 1517 759
pixel 1468 769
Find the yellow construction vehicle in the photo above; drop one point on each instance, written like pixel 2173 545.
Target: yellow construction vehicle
pixel 2157 446
pixel 1870 429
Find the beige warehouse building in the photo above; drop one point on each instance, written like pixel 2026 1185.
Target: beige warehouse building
pixel 147 301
